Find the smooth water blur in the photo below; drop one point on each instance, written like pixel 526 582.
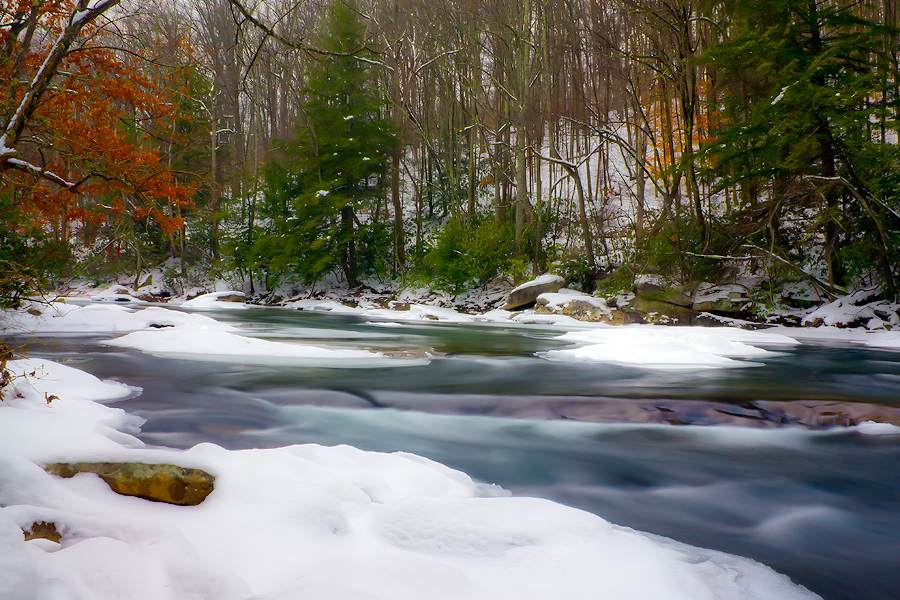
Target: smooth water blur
pixel 822 506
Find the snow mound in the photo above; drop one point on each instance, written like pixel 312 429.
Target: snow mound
pixel 854 310
pixel 886 339
pixel 214 300
pixel 563 297
pixel 208 344
pixel 60 317
pixel 116 293
pixel 314 523
pixel 33 427
pixel 656 347
pixel 875 428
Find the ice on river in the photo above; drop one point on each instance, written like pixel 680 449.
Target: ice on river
pixel 659 347
pixel 308 522
pixel 196 344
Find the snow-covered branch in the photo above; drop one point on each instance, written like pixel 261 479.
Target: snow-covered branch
pixel 27 167
pixel 84 13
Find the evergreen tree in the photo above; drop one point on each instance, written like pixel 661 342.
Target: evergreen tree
pixel 813 77
pixel 337 163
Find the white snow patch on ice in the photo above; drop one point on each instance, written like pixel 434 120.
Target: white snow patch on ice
pixel 658 347
pixel 885 339
pixel 875 428
pixel 206 344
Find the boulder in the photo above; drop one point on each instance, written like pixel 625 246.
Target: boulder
pixel 663 313
pixel 728 305
pixel 231 297
pixel 728 299
pixel 157 482
pixel 528 292
pixel 625 316
pixel 656 293
pixel 585 311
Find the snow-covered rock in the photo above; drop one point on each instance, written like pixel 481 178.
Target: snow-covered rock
pixel 528 292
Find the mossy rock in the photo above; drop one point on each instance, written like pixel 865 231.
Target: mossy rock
pixel 156 482
pixel 233 297
pixel 721 305
pixel 656 293
pixel 663 313
pixel 585 311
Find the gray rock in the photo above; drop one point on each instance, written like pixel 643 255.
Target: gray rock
pixel 528 292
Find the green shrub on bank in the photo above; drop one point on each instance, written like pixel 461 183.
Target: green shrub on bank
pixel 463 255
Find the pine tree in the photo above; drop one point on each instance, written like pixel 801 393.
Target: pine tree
pixel 337 163
pixel 811 72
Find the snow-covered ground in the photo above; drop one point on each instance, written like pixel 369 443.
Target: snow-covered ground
pixel 308 521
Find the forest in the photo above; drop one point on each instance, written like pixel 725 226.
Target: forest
pixel 450 142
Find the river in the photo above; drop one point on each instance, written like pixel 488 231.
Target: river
pixel 730 459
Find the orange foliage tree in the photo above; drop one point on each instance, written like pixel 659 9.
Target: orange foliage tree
pixel 82 132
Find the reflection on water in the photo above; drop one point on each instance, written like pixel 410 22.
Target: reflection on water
pixel 821 506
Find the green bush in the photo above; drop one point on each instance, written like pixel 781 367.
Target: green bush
pixel 462 255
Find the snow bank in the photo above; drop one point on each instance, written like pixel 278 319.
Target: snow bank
pixel 33 428
pixel 209 344
pixel 60 317
pixel 854 310
pixel 312 523
pixel 656 347
pixel 215 300
pixel 116 293
pixel 875 428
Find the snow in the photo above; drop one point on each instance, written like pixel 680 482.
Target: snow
pixel 564 296
pixel 310 522
pixel 545 278
pixel 213 300
pixel 116 293
pixel 853 309
pixel 209 344
pixel 659 347
pixel 416 312
pixel 61 317
pixel 875 428
pixel 779 96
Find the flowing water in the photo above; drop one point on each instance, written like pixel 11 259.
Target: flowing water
pixel 821 505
